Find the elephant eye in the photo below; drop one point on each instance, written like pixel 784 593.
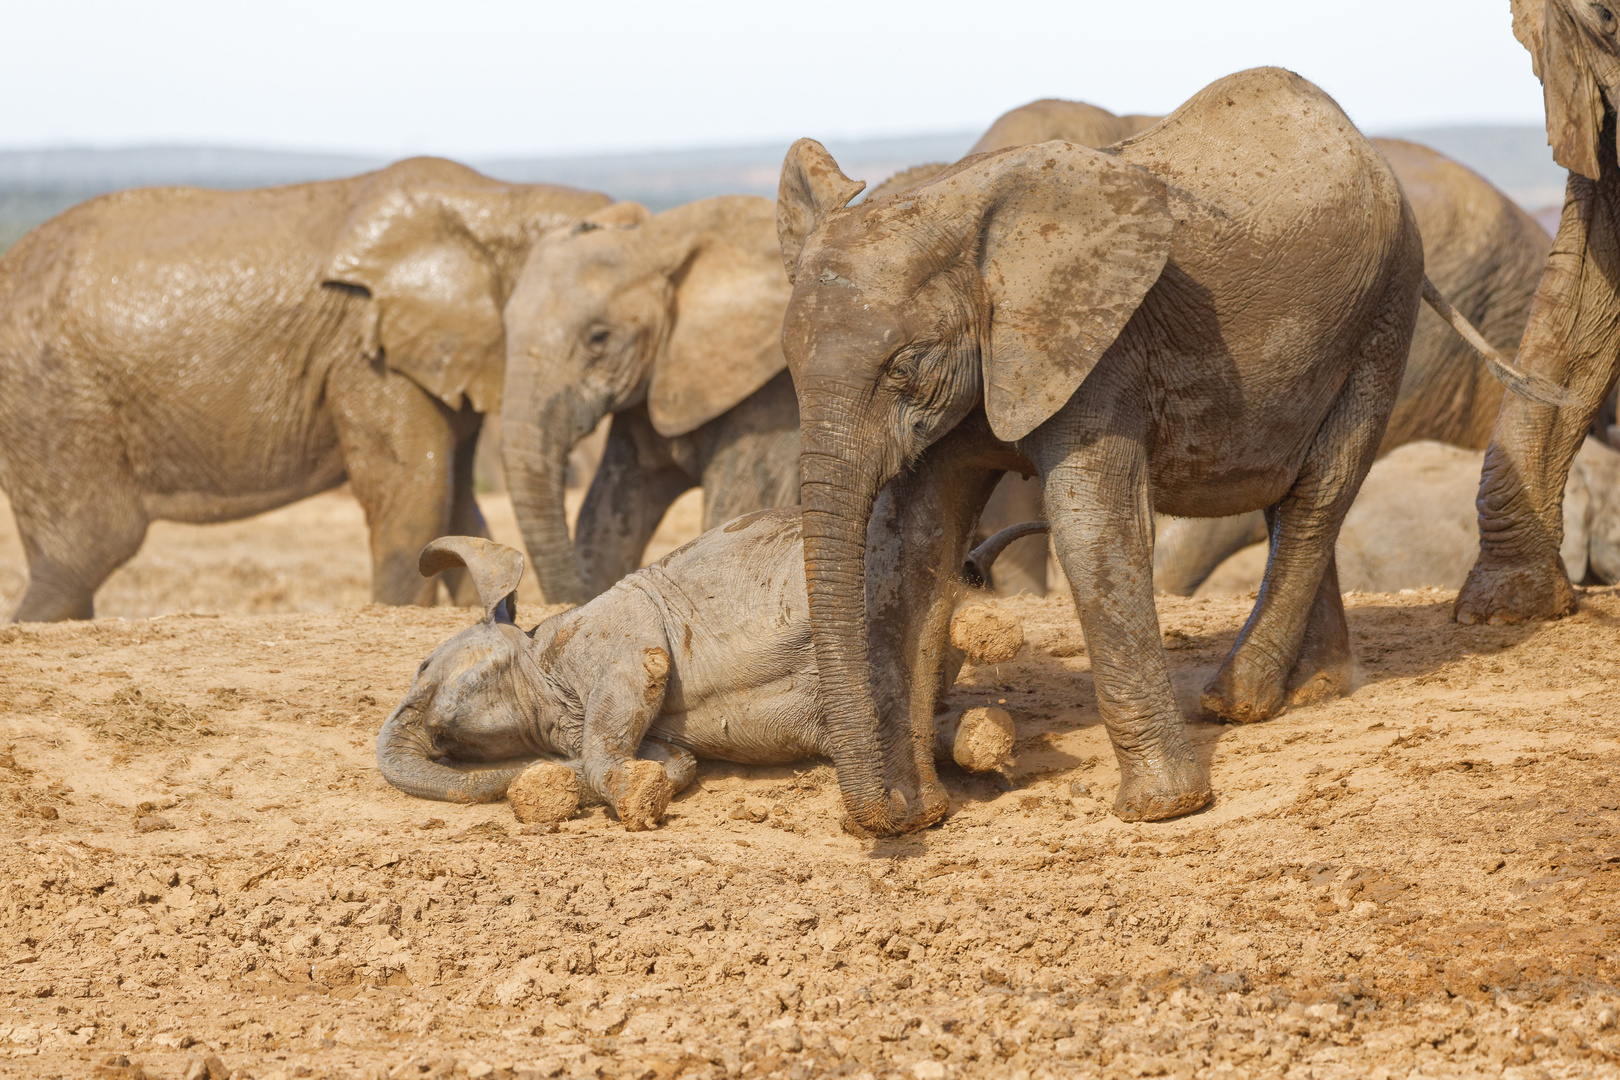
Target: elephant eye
pixel 901 369
pixel 596 341
pixel 1604 14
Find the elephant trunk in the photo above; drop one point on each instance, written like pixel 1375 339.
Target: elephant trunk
pixel 537 437
pixel 838 488
pixel 405 758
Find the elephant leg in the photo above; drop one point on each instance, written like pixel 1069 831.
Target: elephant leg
pixel 1094 464
pixel 635 484
pixel 75 535
pixel 466 519
pixel 751 455
pixel 1295 639
pixel 1573 339
pixel 1187 550
pixel 923 521
pixel 1022 567
pixel 399 447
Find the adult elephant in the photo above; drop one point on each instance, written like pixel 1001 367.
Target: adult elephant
pixel 202 356
pixel 671 323
pixel 1134 326
pixel 1573 335
pixel 1485 254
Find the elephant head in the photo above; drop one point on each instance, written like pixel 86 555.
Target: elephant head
pixel 435 246
pixel 472 699
pixel 1054 118
pixel 681 310
pixel 1573 47
pixel 999 283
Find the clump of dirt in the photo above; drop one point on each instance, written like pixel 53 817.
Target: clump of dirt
pixel 987 633
pixel 979 740
pixel 544 792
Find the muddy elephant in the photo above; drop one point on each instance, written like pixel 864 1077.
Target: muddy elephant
pixel 707 652
pixel 1485 254
pixel 1414 524
pixel 202 356
pixel 1133 326
pixel 671 324
pixel 1018 498
pixel 1573 335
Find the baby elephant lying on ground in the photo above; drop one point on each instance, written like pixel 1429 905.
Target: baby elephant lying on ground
pixel 705 652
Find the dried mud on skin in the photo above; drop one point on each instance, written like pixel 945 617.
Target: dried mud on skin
pixel 1421 877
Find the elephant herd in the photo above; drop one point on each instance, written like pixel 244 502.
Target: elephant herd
pixel 1169 337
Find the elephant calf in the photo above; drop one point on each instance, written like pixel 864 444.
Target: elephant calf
pixel 706 652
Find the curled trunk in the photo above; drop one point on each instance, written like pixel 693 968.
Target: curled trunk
pixel 405 758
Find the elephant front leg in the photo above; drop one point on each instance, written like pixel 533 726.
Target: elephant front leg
pixel 635 484
pixel 399 447
pixel 466 519
pixel 625 696
pixel 1572 338
pixel 1096 493
pixel 921 529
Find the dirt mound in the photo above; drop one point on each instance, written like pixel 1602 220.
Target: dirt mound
pixel 1421 877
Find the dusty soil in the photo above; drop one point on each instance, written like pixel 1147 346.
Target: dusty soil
pixel 201 860
pixel 311 556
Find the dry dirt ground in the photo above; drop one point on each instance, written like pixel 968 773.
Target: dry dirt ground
pixel 201 864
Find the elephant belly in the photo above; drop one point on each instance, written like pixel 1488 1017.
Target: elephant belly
pixel 769 724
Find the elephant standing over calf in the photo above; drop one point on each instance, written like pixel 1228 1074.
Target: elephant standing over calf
pixel 204 356
pixel 1210 317
pixel 706 652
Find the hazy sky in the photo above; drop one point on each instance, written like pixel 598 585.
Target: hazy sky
pixel 481 78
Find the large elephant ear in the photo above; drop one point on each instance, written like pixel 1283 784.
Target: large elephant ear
pixel 725 336
pixel 812 186
pixel 1570 90
pixel 1073 239
pixel 495 570
pixel 436 294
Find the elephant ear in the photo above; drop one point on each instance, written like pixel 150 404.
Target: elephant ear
pixel 1570 90
pixel 495 570
pixel 725 336
pixel 1073 239
pixel 812 186
pixel 436 294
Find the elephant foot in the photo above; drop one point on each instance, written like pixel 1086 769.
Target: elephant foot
pixel 1514 593
pixel 641 793
pixel 1154 793
pixel 1243 693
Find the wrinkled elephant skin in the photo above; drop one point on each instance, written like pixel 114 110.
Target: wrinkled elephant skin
pixel 1573 336
pixel 707 652
pixel 204 356
pixel 671 324
pixel 1131 324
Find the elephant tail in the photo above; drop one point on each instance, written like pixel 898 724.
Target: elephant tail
pixel 1516 379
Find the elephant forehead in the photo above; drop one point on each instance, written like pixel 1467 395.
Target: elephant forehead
pixel 825 315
